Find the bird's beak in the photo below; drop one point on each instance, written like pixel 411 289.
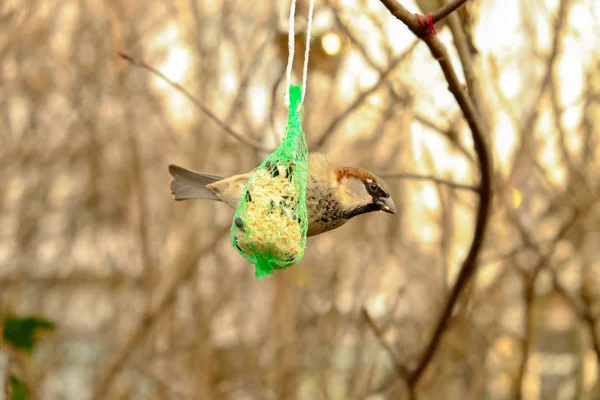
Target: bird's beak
pixel 386 204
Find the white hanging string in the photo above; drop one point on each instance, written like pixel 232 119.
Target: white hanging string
pixel 305 69
pixel 291 47
pixel 288 71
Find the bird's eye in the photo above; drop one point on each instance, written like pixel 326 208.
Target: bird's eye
pixel 373 186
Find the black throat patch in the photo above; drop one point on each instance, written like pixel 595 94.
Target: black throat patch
pixel 367 208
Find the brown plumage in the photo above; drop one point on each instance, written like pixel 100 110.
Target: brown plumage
pixel 334 194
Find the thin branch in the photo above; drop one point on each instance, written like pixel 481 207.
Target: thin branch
pixel 589 319
pixel 477 127
pixel 529 295
pixel 76 279
pixel 447 133
pixel 562 133
pixel 401 370
pixel 528 298
pixel 139 178
pixel 466 60
pixel 528 125
pixel 188 265
pixel 448 9
pixel 512 254
pixel 582 310
pixel 411 20
pixel 325 136
pixel 246 140
pixel 431 178
pixel 529 287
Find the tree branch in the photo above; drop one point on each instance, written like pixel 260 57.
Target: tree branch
pixel 529 123
pixel 529 296
pixel 431 178
pixel 477 127
pixel 466 60
pixel 137 336
pixel 401 370
pixel 325 136
pixel 582 310
pixel 411 20
pixel 246 140
pixel 448 9
pixel 447 133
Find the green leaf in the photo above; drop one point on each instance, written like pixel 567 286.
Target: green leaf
pixel 17 389
pixel 22 333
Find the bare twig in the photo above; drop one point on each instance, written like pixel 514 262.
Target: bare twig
pixel 590 321
pixel 473 118
pixel 466 60
pixel 448 9
pixel 401 370
pixel 529 295
pixel 155 311
pixel 528 125
pixel 582 310
pixel 412 22
pixel 447 133
pixel 142 64
pixel 137 170
pixel 75 279
pixel 562 132
pixel 325 136
pixel 431 178
pixel 529 286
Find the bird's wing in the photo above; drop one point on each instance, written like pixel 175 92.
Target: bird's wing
pixel 188 184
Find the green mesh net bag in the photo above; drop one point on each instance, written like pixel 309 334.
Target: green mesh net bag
pixel 270 222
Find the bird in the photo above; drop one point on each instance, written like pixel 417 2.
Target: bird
pixel 334 194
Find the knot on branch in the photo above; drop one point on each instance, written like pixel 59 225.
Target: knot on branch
pixel 428 25
pixel 125 55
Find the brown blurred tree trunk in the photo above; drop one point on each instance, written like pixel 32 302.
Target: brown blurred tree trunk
pixel 283 328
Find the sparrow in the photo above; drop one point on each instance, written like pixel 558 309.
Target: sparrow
pixel 334 194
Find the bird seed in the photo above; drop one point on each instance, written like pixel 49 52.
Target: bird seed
pixel 276 235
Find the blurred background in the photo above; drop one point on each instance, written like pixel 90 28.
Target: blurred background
pixel 144 298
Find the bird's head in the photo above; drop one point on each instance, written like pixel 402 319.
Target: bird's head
pixel 359 191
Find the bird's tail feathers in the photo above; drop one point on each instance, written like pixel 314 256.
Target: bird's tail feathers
pixel 188 184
